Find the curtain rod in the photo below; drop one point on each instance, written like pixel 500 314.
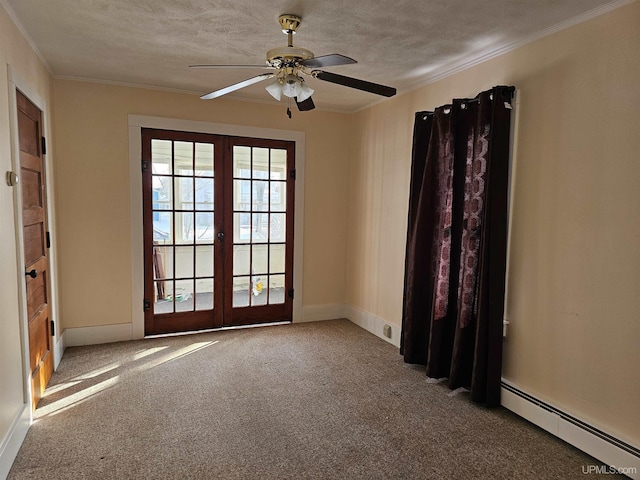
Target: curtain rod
pixel 507 94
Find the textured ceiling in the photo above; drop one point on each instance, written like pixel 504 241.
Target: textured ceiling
pixel 400 43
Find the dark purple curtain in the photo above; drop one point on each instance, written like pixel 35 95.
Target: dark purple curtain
pixel 457 242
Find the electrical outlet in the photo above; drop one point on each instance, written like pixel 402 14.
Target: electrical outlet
pixel 386 331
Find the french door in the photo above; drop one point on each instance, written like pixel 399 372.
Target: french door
pixel 218 230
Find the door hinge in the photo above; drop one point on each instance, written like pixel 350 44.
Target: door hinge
pixel 147 305
pixel 53 329
pixel 48 240
pixel 145 165
pixel 290 293
pixel 292 174
pixel 44 146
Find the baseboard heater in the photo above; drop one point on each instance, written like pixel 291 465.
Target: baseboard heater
pixel 597 443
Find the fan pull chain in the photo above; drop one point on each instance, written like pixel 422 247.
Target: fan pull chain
pixel 289 109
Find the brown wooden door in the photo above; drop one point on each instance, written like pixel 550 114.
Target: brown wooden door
pixel 259 220
pixel 182 194
pixel 218 230
pixel 34 221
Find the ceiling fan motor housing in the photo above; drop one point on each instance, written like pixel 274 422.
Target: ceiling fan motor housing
pixel 288 55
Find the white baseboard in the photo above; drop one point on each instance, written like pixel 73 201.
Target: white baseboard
pixel 614 452
pixel 316 313
pixel 11 443
pixel 75 337
pixel 372 324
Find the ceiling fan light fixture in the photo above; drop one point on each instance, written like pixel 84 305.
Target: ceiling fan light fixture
pixel 275 89
pixel 292 86
pixel 305 92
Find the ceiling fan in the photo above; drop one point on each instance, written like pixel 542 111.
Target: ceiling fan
pixel 290 64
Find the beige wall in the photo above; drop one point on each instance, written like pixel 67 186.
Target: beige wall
pixel 92 181
pixel 574 273
pixel 574 267
pixel 14 51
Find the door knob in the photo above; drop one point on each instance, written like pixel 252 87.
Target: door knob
pixel 33 273
pixel 220 236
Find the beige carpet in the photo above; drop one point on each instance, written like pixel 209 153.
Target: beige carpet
pixel 307 401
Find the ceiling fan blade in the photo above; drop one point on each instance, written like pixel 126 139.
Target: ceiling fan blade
pixel 236 86
pixel 232 66
pixel 305 105
pixel 327 61
pixel 355 83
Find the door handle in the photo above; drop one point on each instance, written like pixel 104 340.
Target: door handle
pixel 221 236
pixel 33 273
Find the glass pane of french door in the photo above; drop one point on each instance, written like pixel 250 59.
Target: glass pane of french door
pixel 259 225
pixel 183 225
